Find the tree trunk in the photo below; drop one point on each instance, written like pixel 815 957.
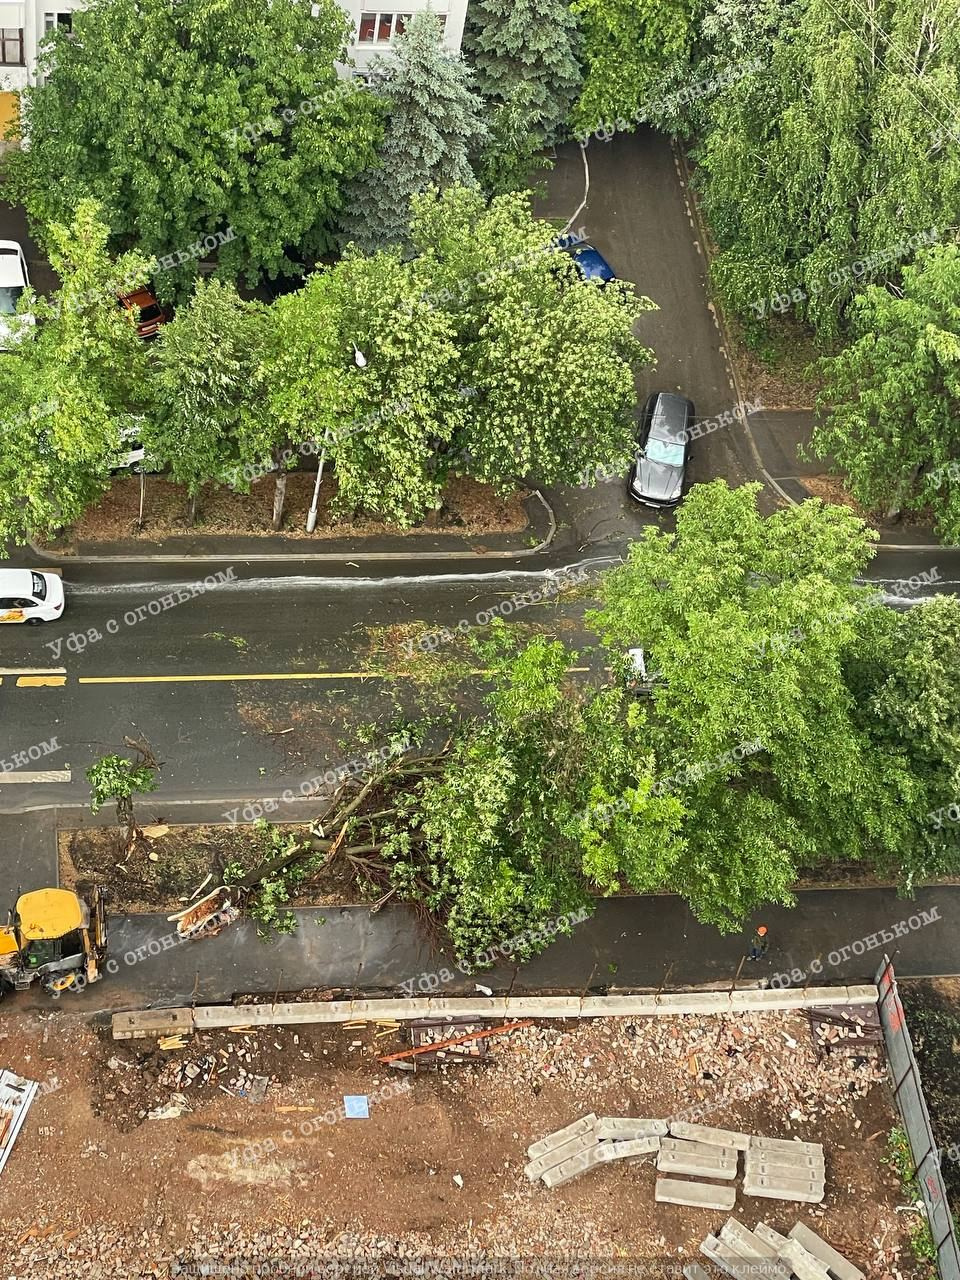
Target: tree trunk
pixel 194 504
pixel 279 497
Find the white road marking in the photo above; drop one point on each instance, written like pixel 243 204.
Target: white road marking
pixel 39 775
pixel 33 671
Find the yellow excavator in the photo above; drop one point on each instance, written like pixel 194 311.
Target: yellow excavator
pixel 56 938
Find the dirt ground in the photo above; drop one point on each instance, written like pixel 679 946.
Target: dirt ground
pixel 101 1189
pixel 933 1016
pixel 468 508
pixel 165 870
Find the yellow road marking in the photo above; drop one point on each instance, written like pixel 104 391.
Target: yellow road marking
pixel 34 682
pixel 282 675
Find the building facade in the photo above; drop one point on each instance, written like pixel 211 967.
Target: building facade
pixel 24 23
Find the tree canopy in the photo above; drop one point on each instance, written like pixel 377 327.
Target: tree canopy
pixel 548 360
pixel 795 723
pixel 69 383
pixel 524 56
pixel 891 397
pixel 434 124
pixel 819 166
pixel 190 119
pixel 628 47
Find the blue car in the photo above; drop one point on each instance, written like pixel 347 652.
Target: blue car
pixel 591 263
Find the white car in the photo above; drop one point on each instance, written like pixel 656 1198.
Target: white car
pixel 29 596
pixel 14 279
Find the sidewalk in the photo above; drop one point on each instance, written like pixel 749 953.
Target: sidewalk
pixel 644 944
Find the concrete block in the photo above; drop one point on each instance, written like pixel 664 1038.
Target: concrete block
pixel 735 1265
pixel 694 1271
pixel 152 1022
pixel 825 1253
pixel 629 1148
pixel 800 1189
pixel 767 1234
pixel 688 1147
pixel 623 1006
pixel 573 1167
pixel 676 1159
pixel 580 1128
pixel 863 995
pixel 697 1195
pixel 744 1242
pixel 786 1144
pixel 550 1159
pixel 694 1002
pixel 623 1128
pixel 715 1137
pixel 803 1265
pixel 779 1163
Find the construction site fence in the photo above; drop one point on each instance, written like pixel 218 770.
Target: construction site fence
pixel 908 1090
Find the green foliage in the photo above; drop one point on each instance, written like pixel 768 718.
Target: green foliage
pixel 116 778
pixel 524 55
pixel 207 417
pixel 267 901
pixel 385 425
pixel 906 682
pixel 478 843
pixel 513 152
pixel 900 1158
pixel 892 396
pixel 548 361
pixel 434 123
pixel 752 623
pixel 818 166
pixel 67 386
pixel 188 119
pixel 629 48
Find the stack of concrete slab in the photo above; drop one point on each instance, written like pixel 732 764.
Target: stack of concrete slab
pixel 591 1141
pixel 782 1169
pixel 699 1152
pixel 745 1254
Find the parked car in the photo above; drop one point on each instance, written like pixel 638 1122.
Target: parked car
pixel 640 679
pixel 14 279
pixel 146 310
pixel 591 263
pixel 29 596
pixel 659 472
pixel 132 453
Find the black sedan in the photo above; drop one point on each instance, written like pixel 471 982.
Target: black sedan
pixel 663 450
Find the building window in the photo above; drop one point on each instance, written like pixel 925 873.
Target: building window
pixel 11 47
pixel 380 28
pixel 53 20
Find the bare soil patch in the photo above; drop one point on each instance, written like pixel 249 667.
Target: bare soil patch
pixel 933 1017
pixel 778 373
pixel 164 871
pixel 468 508
pixel 436 1171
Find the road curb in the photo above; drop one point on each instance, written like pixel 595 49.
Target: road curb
pixel 153 1022
pixel 313 557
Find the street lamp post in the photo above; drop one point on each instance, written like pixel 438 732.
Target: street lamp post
pixel 360 360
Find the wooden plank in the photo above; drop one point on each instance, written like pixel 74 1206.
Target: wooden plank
pixel 443 1044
